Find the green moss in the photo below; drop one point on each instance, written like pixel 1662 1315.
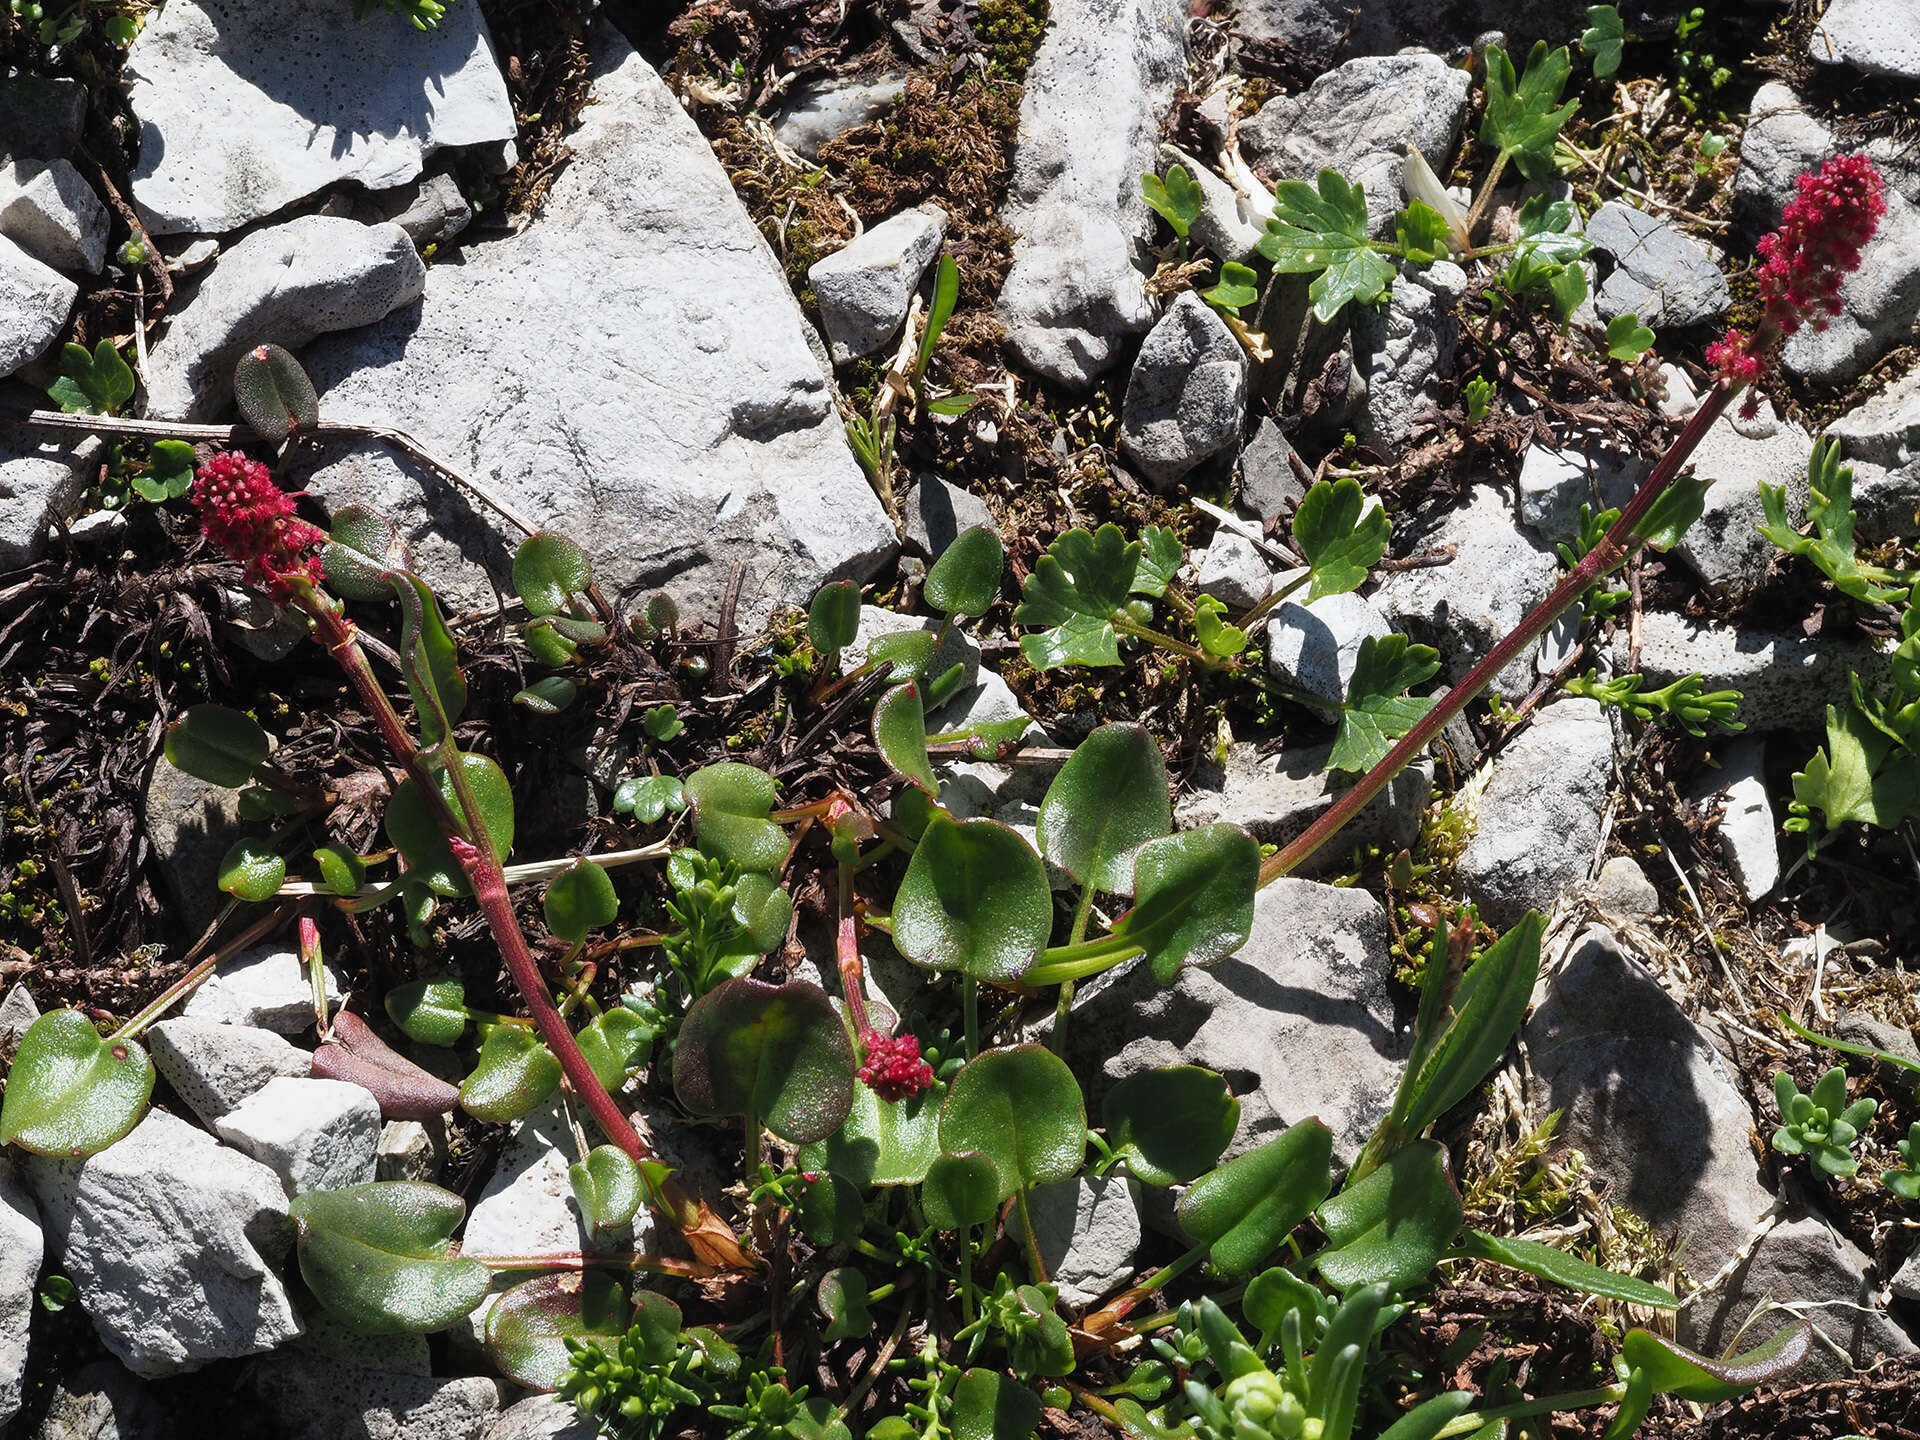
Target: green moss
pixel 1011 31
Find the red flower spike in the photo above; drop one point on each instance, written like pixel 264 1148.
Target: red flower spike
pixel 250 518
pixel 893 1069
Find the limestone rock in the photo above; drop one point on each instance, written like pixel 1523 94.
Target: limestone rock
pixel 543 1417
pixel 1277 797
pixel 1233 570
pixel 1746 829
pixel 315 1398
pixel 266 986
pixel 21 1246
pixel 1399 349
pixel 1725 546
pixel 246 106
pixel 52 213
pixel 1661 274
pixel 1314 646
pixel 313 1134
pixel 17 1014
pixel 214 1066
pixel 34 304
pixel 191 824
pixel 1786 681
pixel 1623 891
pixel 959 648
pixel 864 288
pixel 1881 440
pixel 432 211
pixel 936 511
pixel 1555 483
pixel 1875 37
pixel 42 474
pixel 527 1207
pixel 1187 394
pixel 1089 1230
pixel 816 113
pixel 411 1150
pixel 650 392
pixel 40 118
pixel 102 1401
pixel 1268 484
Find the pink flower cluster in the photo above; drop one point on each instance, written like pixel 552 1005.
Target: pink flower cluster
pixel 250 518
pixel 1817 246
pixel 893 1069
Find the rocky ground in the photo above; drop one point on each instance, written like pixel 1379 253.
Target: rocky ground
pixel 631 269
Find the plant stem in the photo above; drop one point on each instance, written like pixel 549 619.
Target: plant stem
pixel 1486 193
pixel 1063 1007
pixel 1075 962
pixel 610 1260
pixel 195 977
pixel 970 1012
pixel 1118 1309
pixel 1038 1266
pixel 853 980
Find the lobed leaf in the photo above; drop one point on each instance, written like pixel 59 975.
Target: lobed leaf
pixel 1339 537
pixel 1377 710
pixel 1071 596
pixel 1323 233
pixel 1524 115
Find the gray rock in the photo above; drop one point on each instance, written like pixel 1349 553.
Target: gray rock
pixel 1804 1266
pixel 543 1417
pixel 333 1339
pixel 1555 483
pixel 266 986
pixel 246 106
pixel 1269 486
pixel 1089 1231
pixel 1863 1029
pixel 1277 797
pixel 40 119
pixel 411 1150
pixel 1660 274
pixel 17 1014
pixel 816 113
pixel 1725 546
pixel 1232 569
pixel 864 288
pixel 1315 646
pixel 171 1240
pixel 1317 31
pixel 283 284
pixel 1089 117
pixel 102 528
pixel 1648 1101
pixel 1538 820
pixel 714 440
pixel 936 510
pixel 527 1206
pixel 1229 224
pixel 102 1401
pixel 190 824
pixel 1746 831
pixel 1398 349
pixel 214 1066
pixel 1786 682
pixel 1880 305
pixel 313 1134
pixel 1875 37
pixel 311 1397
pixel 52 213
pixel 1466 607
pixel 1299 1022
pixel 1187 395
pixel 21 1248
pixel 1360 120
pixel 34 304
pixel 432 211
pixel 1622 891
pixel 1881 440
pixel 42 474
pixel 1782 139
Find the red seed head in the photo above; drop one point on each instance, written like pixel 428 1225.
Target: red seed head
pixel 893 1069
pixel 250 518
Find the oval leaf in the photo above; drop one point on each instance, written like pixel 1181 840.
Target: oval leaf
pixel 377 1256
pixel 252 869
pixel 1021 1108
pixel 514 1073
pixel 432 1011
pixel 607 1186
pixel 909 652
pixel 72 1092
pixel 549 696
pixel 1171 1124
pixel 966 577
pixel 961 1190
pixel 411 828
pixel 274 393
pixel 881 1143
pixel 1108 800
pixel 833 620
pixel 1193 897
pixel 990 1406
pixel 1393 1226
pixel 362 550
pixel 353 1053
pixel 215 744
pixel 1245 1210
pixel 843 1300
pixel 528 1327
pixel 730 805
pixel 778 1053
pixel 548 569
pixel 341 871
pixel 614 1043
pixel 974 899
pixel 764 908
pixel 580 898
pixel 900 735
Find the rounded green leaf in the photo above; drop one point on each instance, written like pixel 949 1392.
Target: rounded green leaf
pixel 1393 1226
pixel 580 898
pixel 974 899
pixel 549 696
pixel 843 1300
pixel 778 1053
pixel 730 804
pixel 528 1327
pixel 252 869
pixel 1193 897
pixel 1171 1124
pixel 966 577
pixel 833 620
pixel 432 1011
pixel 411 828
pixel 648 797
pixel 881 1143
pixel 341 871
pixel 910 652
pixel 216 744
pixel 514 1073
pixel 548 569
pixel 549 644
pixel 362 550
pixel 1245 1210
pixel 760 904
pixel 613 1043
pixel 377 1256
pixel 990 1406
pixel 274 393
pixel 961 1190
pixel 607 1186
pixel 830 1209
pixel 1021 1108
pixel 71 1092
pixel 1108 800
pixel 900 735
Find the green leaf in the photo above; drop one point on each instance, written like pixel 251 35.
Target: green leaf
pixel 1430 1417
pixel 1524 116
pixel 778 1053
pixel 1568 288
pixel 1108 800
pixel 1393 1226
pixel 411 828
pixel 1176 199
pixel 1071 595
pixel 1830 511
pixel 1550 241
pixel 1324 234
pixel 514 1073
pixel 952 404
pixel 432 1011
pixel 96 384
pixel 763 908
pixel 990 1406
pixel 1170 1124
pixel 833 620
pixel 1161 555
pixel 1244 1211
pixel 1216 638
pixel 1021 1108
pixel 730 803
pixel 252 869
pixel 1339 1363
pixel 1563 1269
pixel 1193 897
pixel 881 1143
pixel 548 570
pixel 1675 1370
pixel 580 898
pixel 1339 538
pixel 71 1092
pixel 909 652
pixel 170 470
pixel 946 293
pixel 220 746
pixel 549 696
pixel 1377 710
pixel 1604 40
pixel 900 735
pixel 341 871
pixel 1679 505
pixel 429 660
pixel 1239 287
pixel 529 1326
pixel 378 1256
pixel 1862 775
pixel 842 1294
pixel 961 1189
pixel 362 550
pixel 608 1187
pixel 614 1043
pixel 648 797
pixel 966 577
pixel 1421 232
pixel 975 899
pixel 1627 338
pixel 1633 1407
pixel 274 394
pixel 548 643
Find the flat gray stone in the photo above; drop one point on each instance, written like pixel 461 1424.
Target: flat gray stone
pixel 411 1150
pixel 432 210
pixel 191 824
pixel 936 511
pixel 1622 891
pixel 34 304
pixel 21 1249
pixel 1229 224
pixel 865 287
pixel 1875 37
pixel 313 1134
pixel 1555 483
pixel 1089 1232
pixel 102 1401
pixel 1880 305
pixel 543 1417
pixel 1090 115
pixel 264 986
pixel 246 106
pixel 712 440
pixel 1661 274
pixel 527 1207
pixel 41 118
pixel 1269 487
pixel 1786 681
pixel 284 284
pixel 1538 820
pixel 1881 440
pixel 52 213
pixel 1746 827
pixel 817 113
pixel 1314 646
pixel 1783 138
pixel 1187 395
pixel 171 1240
pixel 215 1066
pixel 1398 350
pixel 311 1397
pixel 42 474
pixel 1736 456
pixel 1278 796
pixel 1233 570
pixel 17 1014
